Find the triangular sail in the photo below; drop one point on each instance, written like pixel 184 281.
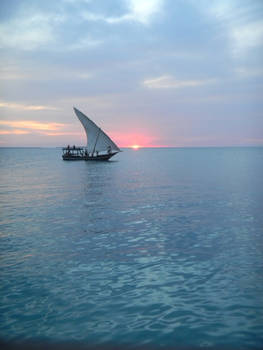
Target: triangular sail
pixel 97 140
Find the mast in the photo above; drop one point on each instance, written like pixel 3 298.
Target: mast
pixel 96 141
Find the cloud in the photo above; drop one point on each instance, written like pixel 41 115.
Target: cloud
pixel 27 107
pixel 14 132
pixel 32 125
pixel 94 17
pixel 63 133
pixel 141 11
pixel 11 72
pixel 243 26
pixel 169 82
pixel 85 43
pixel 76 1
pixel 249 72
pixel 247 36
pixel 22 127
pixel 62 26
pixel 29 31
pixel 30 71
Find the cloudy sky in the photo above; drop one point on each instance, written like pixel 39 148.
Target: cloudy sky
pixel 149 72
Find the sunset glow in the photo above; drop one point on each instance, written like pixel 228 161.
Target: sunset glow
pixel 134 139
pixel 135 146
pixel 27 107
pixel 31 124
pixel 13 132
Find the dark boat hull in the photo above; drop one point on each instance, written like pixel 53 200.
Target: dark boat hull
pixel 100 157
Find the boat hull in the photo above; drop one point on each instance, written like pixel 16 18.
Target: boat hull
pixel 100 157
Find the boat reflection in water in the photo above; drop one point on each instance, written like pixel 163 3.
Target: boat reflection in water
pixel 99 145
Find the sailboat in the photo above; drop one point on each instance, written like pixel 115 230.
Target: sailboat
pixel 99 145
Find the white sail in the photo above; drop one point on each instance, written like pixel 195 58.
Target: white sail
pixel 97 140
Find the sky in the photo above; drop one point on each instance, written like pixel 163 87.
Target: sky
pixel 173 73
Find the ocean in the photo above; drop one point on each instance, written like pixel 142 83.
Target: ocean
pixel 157 247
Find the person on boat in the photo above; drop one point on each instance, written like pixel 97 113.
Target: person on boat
pixel 86 153
pixel 109 149
pixel 97 153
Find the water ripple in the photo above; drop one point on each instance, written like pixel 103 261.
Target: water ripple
pixel 130 252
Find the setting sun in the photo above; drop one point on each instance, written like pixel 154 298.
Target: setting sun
pixel 135 146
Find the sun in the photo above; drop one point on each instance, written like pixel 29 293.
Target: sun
pixel 135 146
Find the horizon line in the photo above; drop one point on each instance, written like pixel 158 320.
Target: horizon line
pixel 144 147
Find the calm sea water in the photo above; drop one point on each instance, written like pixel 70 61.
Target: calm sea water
pixel 157 247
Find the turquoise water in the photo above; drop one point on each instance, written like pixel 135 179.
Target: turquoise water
pixel 158 247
